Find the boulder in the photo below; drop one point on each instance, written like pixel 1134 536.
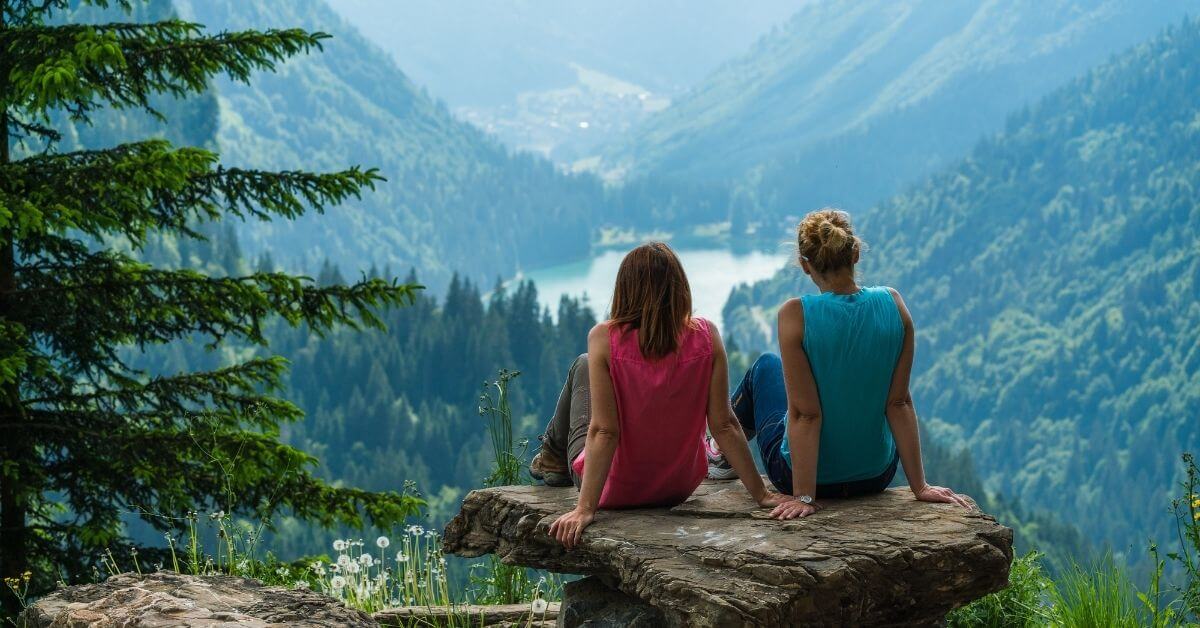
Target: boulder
pixel 171 599
pixel 718 560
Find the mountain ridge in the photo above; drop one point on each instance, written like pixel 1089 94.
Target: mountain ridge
pixel 1054 279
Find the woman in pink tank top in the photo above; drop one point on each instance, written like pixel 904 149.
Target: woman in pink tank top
pixel 631 419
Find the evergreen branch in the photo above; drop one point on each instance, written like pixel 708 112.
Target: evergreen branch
pixel 243 472
pixel 231 390
pixel 133 189
pixel 27 12
pixel 81 67
pixel 19 130
pixel 82 313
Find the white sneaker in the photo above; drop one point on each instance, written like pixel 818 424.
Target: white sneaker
pixel 718 466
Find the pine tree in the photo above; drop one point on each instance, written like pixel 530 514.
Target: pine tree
pixel 83 435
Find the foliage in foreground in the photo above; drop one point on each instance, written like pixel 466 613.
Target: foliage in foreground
pixel 87 436
pixel 1102 595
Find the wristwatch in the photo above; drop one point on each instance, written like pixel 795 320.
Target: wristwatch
pixel 805 499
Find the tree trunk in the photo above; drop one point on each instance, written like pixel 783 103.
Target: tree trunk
pixel 13 447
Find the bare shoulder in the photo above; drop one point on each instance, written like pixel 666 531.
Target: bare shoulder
pixel 791 321
pixel 901 306
pixel 792 309
pixel 598 339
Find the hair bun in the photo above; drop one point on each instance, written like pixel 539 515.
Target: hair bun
pixel 826 240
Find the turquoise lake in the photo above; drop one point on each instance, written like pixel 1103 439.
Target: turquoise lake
pixel 712 273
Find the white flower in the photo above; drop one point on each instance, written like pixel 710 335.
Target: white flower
pixel 300 584
pixel 344 560
pixel 366 560
pixel 337 583
pixel 416 530
pixel 335 568
pixel 382 542
pixel 352 568
pixel 402 557
pixel 539 606
pixel 220 514
pixel 339 545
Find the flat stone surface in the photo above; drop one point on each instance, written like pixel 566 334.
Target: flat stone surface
pixel 718 560
pixel 163 599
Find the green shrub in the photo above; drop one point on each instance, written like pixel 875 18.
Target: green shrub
pixel 1022 603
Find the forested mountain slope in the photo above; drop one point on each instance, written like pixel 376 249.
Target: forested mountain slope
pixel 454 198
pixel 845 103
pixel 1054 276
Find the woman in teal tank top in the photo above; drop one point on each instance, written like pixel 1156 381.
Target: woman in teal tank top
pixel 832 413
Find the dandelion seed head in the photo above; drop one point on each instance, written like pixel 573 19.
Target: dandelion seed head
pixel 382 542
pixel 339 546
pixel 539 606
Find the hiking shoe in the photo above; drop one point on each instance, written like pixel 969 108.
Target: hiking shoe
pixel 718 466
pixel 550 469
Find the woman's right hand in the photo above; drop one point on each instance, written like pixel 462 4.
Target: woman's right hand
pixel 568 528
pixel 792 508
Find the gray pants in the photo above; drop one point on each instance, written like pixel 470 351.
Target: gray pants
pixel 568 428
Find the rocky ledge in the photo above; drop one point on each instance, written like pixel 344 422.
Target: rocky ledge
pixel 171 599
pixel 717 560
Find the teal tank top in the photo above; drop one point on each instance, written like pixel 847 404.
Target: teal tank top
pixel 853 342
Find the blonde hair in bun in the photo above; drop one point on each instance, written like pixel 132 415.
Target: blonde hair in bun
pixel 825 239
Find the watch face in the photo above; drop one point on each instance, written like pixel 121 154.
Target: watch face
pixel 805 499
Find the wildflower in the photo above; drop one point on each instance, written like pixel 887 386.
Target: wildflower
pixel 352 568
pixel 382 542
pixel 300 584
pixel 335 568
pixel 366 560
pixel 1196 503
pixel 339 546
pixel 402 557
pixel 243 565
pixel 539 606
pixel 337 583
pixel 282 571
pixel 344 560
pixel 416 530
pixel 1196 517
pixel 220 514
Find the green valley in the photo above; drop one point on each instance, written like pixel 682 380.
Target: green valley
pixel 1054 275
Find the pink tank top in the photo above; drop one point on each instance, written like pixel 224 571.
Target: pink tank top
pixel 662 406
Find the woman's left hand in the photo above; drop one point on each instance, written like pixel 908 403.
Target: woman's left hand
pixel 941 495
pixel 568 529
pixel 793 508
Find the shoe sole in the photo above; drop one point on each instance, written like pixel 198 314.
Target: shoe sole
pixel 721 473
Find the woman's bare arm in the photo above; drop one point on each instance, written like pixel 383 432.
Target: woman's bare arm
pixel 804 410
pixel 727 431
pixel 902 418
pixel 603 434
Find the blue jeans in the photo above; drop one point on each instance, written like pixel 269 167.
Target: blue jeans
pixel 760 403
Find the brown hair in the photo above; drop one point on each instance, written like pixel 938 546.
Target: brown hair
pixel 825 239
pixel 652 295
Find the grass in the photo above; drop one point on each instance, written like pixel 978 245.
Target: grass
pixel 1101 595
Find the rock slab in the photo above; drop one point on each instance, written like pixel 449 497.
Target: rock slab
pixel 163 599
pixel 718 560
